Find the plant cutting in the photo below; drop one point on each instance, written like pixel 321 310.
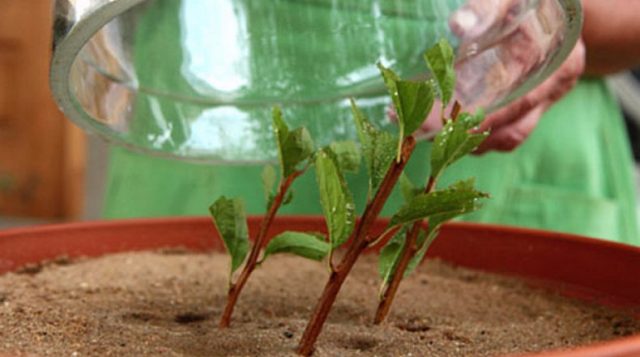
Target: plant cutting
pixel 294 149
pixel 407 249
pixel 385 157
pixel 410 191
pixel 413 101
pixel 296 153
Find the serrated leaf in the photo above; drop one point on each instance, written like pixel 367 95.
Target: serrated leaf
pixel 347 154
pixel 457 199
pixel 454 141
pixel 230 221
pixel 412 100
pixel 293 146
pixel 269 177
pixel 440 60
pixel 301 244
pixel 377 147
pixel 336 199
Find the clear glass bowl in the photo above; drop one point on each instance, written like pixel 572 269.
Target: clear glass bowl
pixel 197 79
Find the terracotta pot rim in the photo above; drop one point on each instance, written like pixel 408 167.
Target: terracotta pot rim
pixel 107 223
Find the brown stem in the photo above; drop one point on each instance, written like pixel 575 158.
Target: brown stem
pixel 236 288
pixel 455 111
pixel 408 252
pixel 359 242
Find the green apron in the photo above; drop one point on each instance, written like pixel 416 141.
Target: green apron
pixel 574 174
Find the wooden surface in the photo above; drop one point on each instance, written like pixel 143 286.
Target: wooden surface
pixel 41 155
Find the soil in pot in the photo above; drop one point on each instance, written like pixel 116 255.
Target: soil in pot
pixel 167 303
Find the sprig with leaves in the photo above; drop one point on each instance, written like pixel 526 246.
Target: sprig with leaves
pixel 456 139
pixel 385 158
pixel 296 153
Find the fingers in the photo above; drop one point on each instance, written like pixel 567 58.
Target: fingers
pixel 510 136
pixel 513 124
pixel 524 40
pixel 515 111
pixel 517 42
pixel 496 71
pixel 550 91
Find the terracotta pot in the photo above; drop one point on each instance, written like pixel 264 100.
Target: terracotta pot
pixel 586 268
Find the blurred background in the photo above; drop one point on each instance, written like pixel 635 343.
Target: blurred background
pixel 50 171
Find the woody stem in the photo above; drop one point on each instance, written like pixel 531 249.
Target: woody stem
pixel 236 288
pixel 408 252
pixel 359 242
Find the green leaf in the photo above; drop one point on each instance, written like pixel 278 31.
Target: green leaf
pixel 440 60
pixel 337 202
pixel 382 156
pixel 437 220
pixel 412 100
pixel 302 244
pixel 407 188
pixel 391 80
pixel 424 242
pixel 293 146
pixel 347 154
pixel 390 255
pixel 230 221
pixel 392 252
pixel 416 99
pixel 417 258
pixel 288 198
pixel 455 200
pixel 297 148
pixel 454 141
pixel 281 129
pixel 269 177
pixel 378 148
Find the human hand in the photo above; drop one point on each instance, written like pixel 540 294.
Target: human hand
pixel 503 42
pixel 512 125
pixel 523 38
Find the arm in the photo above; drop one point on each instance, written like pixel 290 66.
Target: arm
pixel 611 35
